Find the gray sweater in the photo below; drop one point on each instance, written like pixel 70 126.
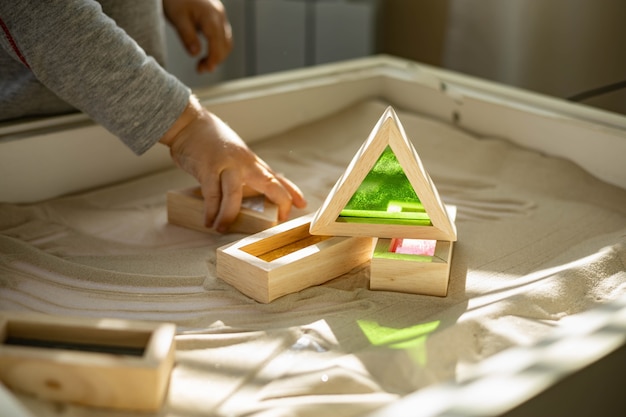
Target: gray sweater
pixel 98 57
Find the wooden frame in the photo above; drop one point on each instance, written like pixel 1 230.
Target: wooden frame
pixel 107 363
pixel 250 105
pixel 388 132
pixel 186 208
pixel 426 275
pixel 287 258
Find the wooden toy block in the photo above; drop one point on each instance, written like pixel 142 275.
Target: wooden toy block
pixel 418 266
pixel 411 273
pixel 117 364
pixel 287 258
pixel 385 192
pixel 186 208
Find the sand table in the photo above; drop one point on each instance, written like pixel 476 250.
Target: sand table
pixel 539 240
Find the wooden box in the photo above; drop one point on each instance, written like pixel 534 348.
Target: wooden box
pixel 186 208
pixel 287 258
pixel 418 266
pixel 412 273
pixel 117 364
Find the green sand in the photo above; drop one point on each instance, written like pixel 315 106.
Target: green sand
pixel 385 196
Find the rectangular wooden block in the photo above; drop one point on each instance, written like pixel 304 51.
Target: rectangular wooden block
pixel 287 258
pixel 411 273
pixel 117 364
pixel 186 208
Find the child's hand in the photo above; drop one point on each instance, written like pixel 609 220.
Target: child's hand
pixel 207 17
pixel 205 147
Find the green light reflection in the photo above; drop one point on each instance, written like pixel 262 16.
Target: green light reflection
pixel 412 339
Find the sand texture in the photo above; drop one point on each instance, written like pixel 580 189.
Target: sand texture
pixel 539 239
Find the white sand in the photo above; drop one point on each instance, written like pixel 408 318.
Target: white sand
pixel 539 240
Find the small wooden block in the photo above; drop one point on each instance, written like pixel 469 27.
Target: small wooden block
pixel 186 208
pixel 287 258
pixel 117 364
pixel 411 273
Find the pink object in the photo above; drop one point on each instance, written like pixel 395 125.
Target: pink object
pixel 413 246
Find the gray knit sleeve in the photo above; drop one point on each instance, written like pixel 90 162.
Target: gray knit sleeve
pixel 81 55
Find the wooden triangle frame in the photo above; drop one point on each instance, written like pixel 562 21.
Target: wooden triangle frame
pixel 387 132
